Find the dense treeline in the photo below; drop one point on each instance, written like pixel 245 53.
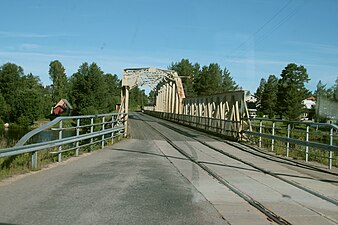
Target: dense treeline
pixel 284 97
pixel 23 99
pixel 90 90
pixel 206 80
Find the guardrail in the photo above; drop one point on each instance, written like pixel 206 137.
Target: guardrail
pixel 312 140
pixel 228 128
pixel 306 140
pixel 86 131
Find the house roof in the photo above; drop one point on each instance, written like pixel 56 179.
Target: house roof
pixel 311 98
pixel 63 102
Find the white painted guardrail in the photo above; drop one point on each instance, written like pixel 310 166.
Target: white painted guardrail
pixel 87 130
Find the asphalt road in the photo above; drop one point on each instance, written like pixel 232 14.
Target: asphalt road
pixel 130 182
pixel 145 180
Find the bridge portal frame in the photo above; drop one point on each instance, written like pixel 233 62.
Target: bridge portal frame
pixel 167 83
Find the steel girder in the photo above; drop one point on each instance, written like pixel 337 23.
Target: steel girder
pixel 229 107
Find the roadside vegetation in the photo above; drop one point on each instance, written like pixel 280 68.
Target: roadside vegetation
pixel 317 134
pixel 282 97
pixel 24 100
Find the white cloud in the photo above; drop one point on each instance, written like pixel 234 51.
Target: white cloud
pixel 4 34
pixel 28 46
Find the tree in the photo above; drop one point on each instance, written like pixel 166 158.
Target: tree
pixel 60 81
pixel 4 109
pixel 10 80
pixel 151 97
pixel 90 92
pixel 209 80
pixel 137 98
pixel 321 89
pixel 228 84
pixel 269 96
pixel 114 90
pixel 30 104
pixel 292 91
pixel 259 96
pixel 188 73
pixel 335 90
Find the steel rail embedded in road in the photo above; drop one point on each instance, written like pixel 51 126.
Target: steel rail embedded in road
pixel 283 136
pixel 270 214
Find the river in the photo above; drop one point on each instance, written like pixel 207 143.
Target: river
pixel 9 137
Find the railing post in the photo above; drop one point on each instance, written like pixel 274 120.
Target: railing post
pixel 288 143
pixel 260 132
pixel 124 124
pixel 91 131
pixel 60 137
pixel 307 147
pixel 77 134
pixel 34 160
pixel 102 137
pixel 273 134
pixel 331 153
pixel 112 126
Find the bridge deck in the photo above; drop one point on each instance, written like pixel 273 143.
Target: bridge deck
pixel 147 180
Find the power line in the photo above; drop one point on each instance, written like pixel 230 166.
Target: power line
pixel 265 34
pixel 265 24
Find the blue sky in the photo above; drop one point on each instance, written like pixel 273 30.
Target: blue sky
pixel 252 38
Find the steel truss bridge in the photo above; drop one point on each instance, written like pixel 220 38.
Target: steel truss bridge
pixel 170 98
pixel 227 114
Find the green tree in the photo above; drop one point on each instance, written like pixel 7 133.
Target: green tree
pixel 228 84
pixel 137 99
pixel 209 80
pixel 4 110
pixel 23 99
pixel 10 80
pixel 321 89
pixel 188 73
pixel 269 96
pixel 151 97
pixel 292 91
pixel 60 81
pixel 31 103
pixel 113 84
pixel 335 90
pixel 259 96
pixel 89 90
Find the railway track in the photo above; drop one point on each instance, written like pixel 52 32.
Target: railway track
pixel 249 199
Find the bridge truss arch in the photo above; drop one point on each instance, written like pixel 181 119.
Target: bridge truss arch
pixel 225 111
pixel 167 84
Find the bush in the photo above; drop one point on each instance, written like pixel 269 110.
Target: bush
pixel 24 121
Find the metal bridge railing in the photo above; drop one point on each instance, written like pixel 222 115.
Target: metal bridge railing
pixel 300 140
pixel 297 139
pixel 74 132
pixel 223 127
